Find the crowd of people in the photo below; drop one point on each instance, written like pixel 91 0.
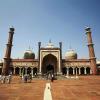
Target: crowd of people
pixel 5 79
pixel 26 78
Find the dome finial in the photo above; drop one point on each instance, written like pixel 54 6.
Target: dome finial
pixel 29 47
pixel 49 40
pixel 70 47
pixel 87 29
pixel 12 28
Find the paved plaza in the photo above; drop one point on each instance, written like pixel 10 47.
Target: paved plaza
pixel 84 88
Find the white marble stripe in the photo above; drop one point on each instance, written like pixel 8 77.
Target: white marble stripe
pixel 47 92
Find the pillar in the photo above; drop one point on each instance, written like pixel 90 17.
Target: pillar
pixel 59 65
pixel 39 46
pixel 25 70
pixel 85 71
pixel 79 71
pixel 14 70
pixel 76 71
pixel 7 59
pixel 32 71
pixel 67 71
pixel 91 51
pixel 60 46
pixel 20 71
pixel 73 71
pixel 90 71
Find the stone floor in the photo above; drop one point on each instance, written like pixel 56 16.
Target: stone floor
pixel 84 88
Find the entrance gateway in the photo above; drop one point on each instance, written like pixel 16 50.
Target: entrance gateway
pixel 50 60
pixel 49 64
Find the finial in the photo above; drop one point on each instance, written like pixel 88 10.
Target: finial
pixel 29 47
pixel 49 40
pixel 88 29
pixel 12 28
pixel 70 47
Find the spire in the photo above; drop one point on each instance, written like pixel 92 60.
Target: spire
pixel 50 41
pixel 70 47
pixel 29 47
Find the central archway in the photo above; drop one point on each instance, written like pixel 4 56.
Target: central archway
pixel 50 68
pixel 49 63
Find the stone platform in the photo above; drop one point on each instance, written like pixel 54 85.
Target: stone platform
pixel 84 88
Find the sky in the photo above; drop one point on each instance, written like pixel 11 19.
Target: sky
pixel 43 20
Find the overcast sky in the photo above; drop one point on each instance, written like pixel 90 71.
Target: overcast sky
pixel 42 20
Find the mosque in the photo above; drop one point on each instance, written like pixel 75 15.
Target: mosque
pixel 50 59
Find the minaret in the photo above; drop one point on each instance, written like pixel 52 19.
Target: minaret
pixel 91 51
pixel 7 59
pixel 60 45
pixel 39 46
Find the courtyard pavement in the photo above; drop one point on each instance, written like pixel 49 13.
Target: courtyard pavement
pixel 84 88
pixel 47 92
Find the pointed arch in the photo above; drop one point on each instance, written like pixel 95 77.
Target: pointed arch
pixel 49 63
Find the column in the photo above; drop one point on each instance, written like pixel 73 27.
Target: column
pixel 20 71
pixel 79 71
pixel 25 70
pixel 32 71
pixel 67 71
pixel 90 71
pixel 59 64
pixel 60 46
pixel 85 71
pixel 39 57
pixel 40 63
pixel 73 71
pixel 14 71
pixel 76 71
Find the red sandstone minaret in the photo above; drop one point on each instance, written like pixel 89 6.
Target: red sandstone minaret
pixel 91 51
pixel 7 59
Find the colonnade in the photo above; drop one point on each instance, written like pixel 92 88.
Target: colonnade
pixel 23 70
pixel 77 70
pixel 67 70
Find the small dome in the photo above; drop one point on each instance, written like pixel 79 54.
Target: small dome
pixel 71 54
pixel 29 54
pixel 50 45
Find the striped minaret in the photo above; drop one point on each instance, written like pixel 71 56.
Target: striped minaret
pixel 7 59
pixel 91 51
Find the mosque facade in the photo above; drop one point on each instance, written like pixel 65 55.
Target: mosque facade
pixel 50 59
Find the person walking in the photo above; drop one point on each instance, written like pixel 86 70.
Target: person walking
pixel 52 78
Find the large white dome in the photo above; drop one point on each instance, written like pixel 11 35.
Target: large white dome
pixel 71 54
